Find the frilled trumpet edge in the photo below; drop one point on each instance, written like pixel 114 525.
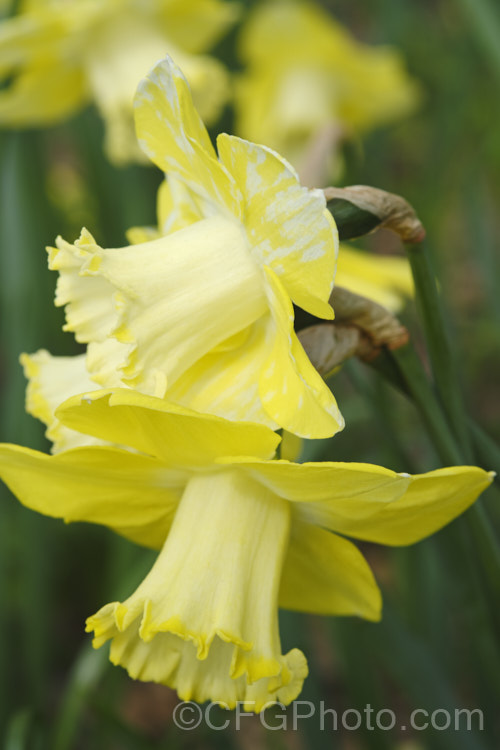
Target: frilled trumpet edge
pixel 205 619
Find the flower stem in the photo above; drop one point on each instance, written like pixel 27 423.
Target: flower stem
pixel 419 388
pixel 451 436
pixel 438 344
pixel 485 448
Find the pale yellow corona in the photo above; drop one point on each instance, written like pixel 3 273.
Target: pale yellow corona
pixel 63 54
pixel 238 536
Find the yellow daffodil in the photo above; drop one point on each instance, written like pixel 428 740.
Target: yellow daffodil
pixel 204 313
pixel 65 53
pixel 51 380
pixel 239 535
pixel 307 76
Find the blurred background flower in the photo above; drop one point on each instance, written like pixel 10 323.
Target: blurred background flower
pixel 62 54
pixel 308 84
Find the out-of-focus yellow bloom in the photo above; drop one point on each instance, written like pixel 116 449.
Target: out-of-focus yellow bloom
pixel 385 279
pixel 65 53
pixel 305 73
pixel 238 534
pixel 204 313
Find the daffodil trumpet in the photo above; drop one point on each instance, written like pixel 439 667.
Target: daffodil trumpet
pixel 239 534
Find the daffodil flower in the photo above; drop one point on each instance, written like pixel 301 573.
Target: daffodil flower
pixel 51 380
pixel 238 535
pixel 305 75
pixel 63 54
pixel 204 313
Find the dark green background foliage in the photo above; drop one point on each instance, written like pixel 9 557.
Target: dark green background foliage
pixel 437 646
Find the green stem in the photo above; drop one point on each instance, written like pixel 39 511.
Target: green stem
pixel 18 732
pixel 486 449
pixel 419 388
pixel 488 549
pixel 438 345
pixel 86 674
pixel 444 371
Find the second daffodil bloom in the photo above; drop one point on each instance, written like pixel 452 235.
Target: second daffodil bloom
pixel 238 535
pixel 306 75
pixel 63 54
pixel 204 314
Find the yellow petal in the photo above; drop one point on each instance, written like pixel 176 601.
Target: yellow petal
pixel 326 574
pixel 27 38
pixel 172 134
pixel 271 31
pixel 329 491
pixel 292 392
pixel 195 25
pixel 431 501
pixel 242 382
pixel 134 495
pixel 52 380
pixel 177 206
pixel 288 226
pixel 104 360
pixel 385 279
pixel 209 82
pixel 177 435
pixel 124 48
pixel 218 601
pixel 226 382
pixel 369 502
pixel 136 235
pixel 43 95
